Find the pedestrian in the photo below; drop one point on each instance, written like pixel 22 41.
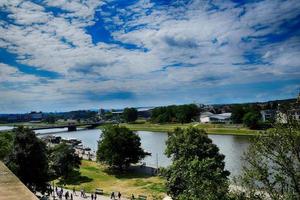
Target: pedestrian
pixel 119 195
pixel 95 196
pixel 81 192
pixel 92 197
pixel 132 197
pixel 74 191
pixel 67 195
pixel 56 189
pixel 71 196
pixel 112 196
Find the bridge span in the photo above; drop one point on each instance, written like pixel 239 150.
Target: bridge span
pixel 71 126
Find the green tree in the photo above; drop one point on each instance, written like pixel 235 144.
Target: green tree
pixel 119 147
pixel 272 164
pixel 197 170
pixel 63 160
pixel 28 159
pixel 238 112
pixel 6 143
pixel 130 114
pixel 252 119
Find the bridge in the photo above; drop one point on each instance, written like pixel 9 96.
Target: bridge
pixel 71 126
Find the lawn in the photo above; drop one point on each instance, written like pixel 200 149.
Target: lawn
pixel 94 175
pixel 223 129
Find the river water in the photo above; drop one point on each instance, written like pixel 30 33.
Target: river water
pixel 231 146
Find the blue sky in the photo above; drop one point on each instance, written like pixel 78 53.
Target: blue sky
pixel 59 55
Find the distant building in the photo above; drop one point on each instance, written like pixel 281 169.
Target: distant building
pixel 268 115
pixel 208 117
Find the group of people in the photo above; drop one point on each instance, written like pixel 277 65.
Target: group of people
pixel 60 193
pixel 114 196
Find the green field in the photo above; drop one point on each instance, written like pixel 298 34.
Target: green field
pixel 209 128
pixel 94 175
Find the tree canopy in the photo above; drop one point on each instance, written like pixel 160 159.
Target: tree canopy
pixel 181 113
pixel 119 147
pixel 197 169
pixel 130 114
pixel 272 164
pixel 6 144
pixel 28 159
pixel 63 160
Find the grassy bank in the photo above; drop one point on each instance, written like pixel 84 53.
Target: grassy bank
pixel 94 175
pixel 209 128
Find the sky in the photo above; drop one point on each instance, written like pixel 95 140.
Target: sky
pixel 60 55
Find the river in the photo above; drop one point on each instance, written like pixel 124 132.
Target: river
pixel 154 142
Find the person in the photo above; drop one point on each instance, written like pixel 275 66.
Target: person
pixel 119 195
pixel 132 197
pixel 92 197
pixel 67 195
pixel 56 189
pixel 81 193
pixel 74 191
pixel 71 196
pixel 112 196
pixel 95 196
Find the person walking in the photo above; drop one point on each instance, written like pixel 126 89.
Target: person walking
pixel 81 193
pixel 112 196
pixel 132 197
pixel 92 197
pixel 119 195
pixel 95 196
pixel 67 195
pixel 71 196
pixel 74 191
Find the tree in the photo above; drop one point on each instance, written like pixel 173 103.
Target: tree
pixel 119 147
pixel 28 159
pixel 130 114
pixel 251 119
pixel 197 170
pixel 63 160
pixel 6 143
pixel 272 164
pixel 238 112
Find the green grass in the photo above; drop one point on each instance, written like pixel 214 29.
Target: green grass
pixel 94 175
pixel 209 128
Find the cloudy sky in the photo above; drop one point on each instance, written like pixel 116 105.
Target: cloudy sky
pixel 78 54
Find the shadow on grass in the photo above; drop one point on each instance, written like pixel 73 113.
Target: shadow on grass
pixel 132 172
pixel 75 179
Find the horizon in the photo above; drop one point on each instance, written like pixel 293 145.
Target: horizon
pixel 79 55
pixel 97 109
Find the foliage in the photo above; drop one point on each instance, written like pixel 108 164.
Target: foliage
pixel 50 119
pixel 28 159
pixel 197 171
pixel 130 114
pixel 119 147
pixel 63 160
pixel 238 112
pixel 181 113
pixel 272 164
pixel 6 143
pixel 252 120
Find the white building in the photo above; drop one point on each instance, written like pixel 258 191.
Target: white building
pixel 208 117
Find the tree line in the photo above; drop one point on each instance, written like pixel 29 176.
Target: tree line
pixel 174 113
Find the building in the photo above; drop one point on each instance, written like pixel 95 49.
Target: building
pixel 208 117
pixel 268 115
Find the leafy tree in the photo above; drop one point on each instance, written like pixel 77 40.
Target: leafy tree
pixel 238 112
pixel 63 160
pixel 272 164
pixel 50 119
pixel 119 147
pixel 6 143
pixel 28 159
pixel 197 170
pixel 130 114
pixel 252 119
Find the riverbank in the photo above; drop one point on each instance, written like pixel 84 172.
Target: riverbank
pixel 220 129
pixel 94 175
